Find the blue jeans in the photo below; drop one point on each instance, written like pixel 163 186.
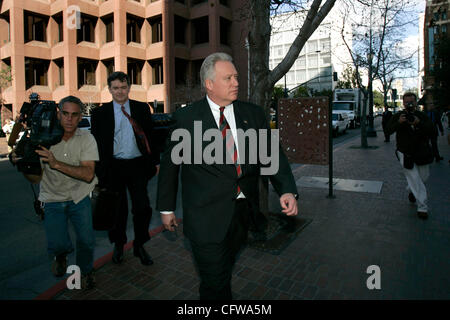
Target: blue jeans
pixel 56 219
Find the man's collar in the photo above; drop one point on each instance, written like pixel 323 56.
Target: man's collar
pixel 214 105
pixel 118 105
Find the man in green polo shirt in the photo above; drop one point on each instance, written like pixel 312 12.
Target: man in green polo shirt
pixel 67 179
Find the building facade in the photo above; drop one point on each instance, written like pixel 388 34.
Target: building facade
pixel 323 54
pixel 66 47
pixel 436 29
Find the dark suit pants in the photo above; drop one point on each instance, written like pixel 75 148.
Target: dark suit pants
pixel 130 174
pixel 215 260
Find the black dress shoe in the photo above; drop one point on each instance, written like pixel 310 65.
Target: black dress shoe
pixel 140 252
pixel 118 254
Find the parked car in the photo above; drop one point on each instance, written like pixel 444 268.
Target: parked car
pixel 85 123
pixel 340 122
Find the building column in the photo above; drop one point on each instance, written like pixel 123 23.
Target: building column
pixel 168 56
pixel 17 59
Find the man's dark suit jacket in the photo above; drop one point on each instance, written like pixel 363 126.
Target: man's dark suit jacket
pixel 102 127
pixel 209 190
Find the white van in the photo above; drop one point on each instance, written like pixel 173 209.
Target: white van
pixel 340 122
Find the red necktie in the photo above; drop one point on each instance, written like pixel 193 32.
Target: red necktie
pixel 137 130
pixel 230 145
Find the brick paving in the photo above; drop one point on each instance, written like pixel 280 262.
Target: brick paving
pixel 329 258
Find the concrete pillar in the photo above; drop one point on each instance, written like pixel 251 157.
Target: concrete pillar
pixel 168 57
pixel 17 59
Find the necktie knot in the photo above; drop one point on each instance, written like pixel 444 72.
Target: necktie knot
pixel 221 109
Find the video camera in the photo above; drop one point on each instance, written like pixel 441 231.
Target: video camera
pixel 42 127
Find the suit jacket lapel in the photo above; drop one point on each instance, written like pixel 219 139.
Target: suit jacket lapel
pixel 241 123
pixel 110 125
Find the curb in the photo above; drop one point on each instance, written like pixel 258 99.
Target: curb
pixel 100 262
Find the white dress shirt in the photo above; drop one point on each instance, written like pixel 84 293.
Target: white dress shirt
pixel 125 146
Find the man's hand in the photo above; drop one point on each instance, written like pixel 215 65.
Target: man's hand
pixel 402 118
pixel 157 169
pixel 47 156
pixel 289 204
pixel 169 221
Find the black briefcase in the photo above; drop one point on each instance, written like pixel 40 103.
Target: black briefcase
pixel 105 207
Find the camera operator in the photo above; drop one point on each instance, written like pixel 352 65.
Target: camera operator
pixel 414 130
pixel 66 181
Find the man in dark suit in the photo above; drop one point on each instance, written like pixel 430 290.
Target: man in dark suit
pixel 387 115
pixel 123 130
pixel 220 198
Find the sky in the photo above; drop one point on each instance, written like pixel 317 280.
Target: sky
pixel 411 43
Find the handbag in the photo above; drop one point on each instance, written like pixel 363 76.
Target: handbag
pixel 105 208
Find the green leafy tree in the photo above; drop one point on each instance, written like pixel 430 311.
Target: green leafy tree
pixel 348 79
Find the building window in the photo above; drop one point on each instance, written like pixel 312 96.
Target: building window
pixel 86 72
pixel 181 71
pixel 301 62
pixel 157 71
pixel 444 28
pixel 180 29
pixel 59 21
pixel 196 65
pixel 326 46
pixel 36 71
pixel 35 27
pixel 312 46
pixel 87 29
pixel 200 30
pixel 195 2
pixel 156 25
pixel 109 65
pixel 134 25
pixel 135 67
pixel 312 61
pixel 60 65
pixel 326 59
pixel 225 31
pixel 109 27
pixel 444 15
pixel 301 75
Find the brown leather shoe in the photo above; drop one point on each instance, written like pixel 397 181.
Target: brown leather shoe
pixel 422 215
pixel 411 198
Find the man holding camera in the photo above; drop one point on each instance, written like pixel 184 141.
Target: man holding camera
pixel 414 130
pixel 66 181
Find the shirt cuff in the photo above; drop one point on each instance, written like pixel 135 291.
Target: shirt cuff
pixel 166 212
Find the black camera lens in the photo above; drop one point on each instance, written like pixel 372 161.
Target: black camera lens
pixel 410 117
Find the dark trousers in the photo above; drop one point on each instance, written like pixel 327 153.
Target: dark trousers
pixel 387 136
pixel 434 147
pixel 130 174
pixel 215 260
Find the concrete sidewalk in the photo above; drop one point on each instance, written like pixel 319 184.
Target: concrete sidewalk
pixel 330 257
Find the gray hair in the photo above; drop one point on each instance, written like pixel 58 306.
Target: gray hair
pixel 73 100
pixel 207 70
